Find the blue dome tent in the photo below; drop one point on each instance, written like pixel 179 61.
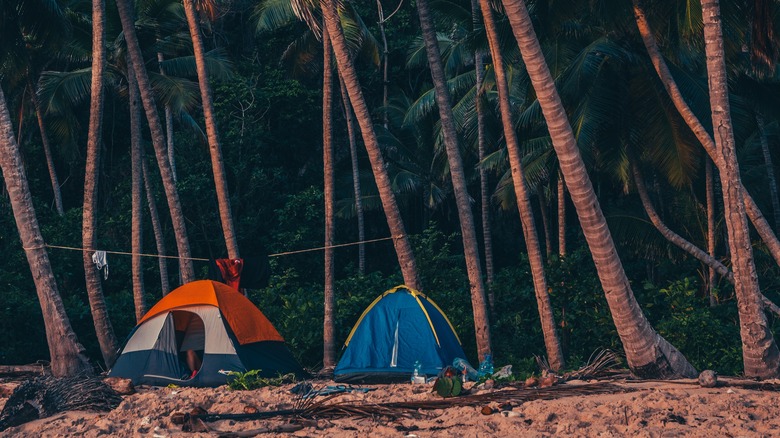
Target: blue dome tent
pixel 400 327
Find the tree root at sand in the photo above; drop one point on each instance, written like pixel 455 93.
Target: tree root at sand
pixel 45 396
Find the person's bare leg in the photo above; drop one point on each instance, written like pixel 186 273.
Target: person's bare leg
pixel 193 360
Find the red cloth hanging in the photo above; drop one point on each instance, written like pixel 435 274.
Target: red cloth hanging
pixel 231 271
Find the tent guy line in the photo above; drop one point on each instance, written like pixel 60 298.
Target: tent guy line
pixel 321 248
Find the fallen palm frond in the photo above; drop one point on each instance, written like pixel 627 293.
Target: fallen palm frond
pixel 46 396
pixel 600 364
pixel 322 409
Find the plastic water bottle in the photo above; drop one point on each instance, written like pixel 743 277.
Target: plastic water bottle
pixel 417 375
pixel 486 367
pixel 465 367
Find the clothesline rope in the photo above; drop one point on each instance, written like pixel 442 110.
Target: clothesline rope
pixel 300 251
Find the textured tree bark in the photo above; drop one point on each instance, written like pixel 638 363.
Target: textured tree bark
pixel 711 235
pixel 545 223
pixel 136 158
pixel 329 329
pixel 159 239
pixel 158 141
pixel 770 170
pixel 561 216
pixel 215 150
pixel 97 302
pixel 168 126
pixel 647 353
pixel 67 354
pixel 760 354
pixel 752 210
pixel 55 183
pixel 547 319
pixel 459 186
pixel 403 248
pixel 350 117
pixel 484 192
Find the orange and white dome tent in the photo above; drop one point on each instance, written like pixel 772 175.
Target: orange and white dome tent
pixel 227 331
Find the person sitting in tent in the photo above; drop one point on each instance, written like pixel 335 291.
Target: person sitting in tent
pixel 194 341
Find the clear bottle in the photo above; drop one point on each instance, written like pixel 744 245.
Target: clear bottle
pixel 417 375
pixel 463 366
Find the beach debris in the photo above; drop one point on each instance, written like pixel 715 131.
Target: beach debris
pixel 708 379
pixel 504 373
pixel 487 410
pixel 120 385
pixel 45 396
pixel 531 382
pixel 511 414
pixel 601 363
pixel 23 370
pixel 548 381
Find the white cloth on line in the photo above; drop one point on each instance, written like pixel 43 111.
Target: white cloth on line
pixel 99 258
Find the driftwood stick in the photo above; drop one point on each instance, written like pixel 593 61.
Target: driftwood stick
pixel 284 428
pixel 21 369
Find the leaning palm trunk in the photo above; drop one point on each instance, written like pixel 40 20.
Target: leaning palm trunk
pixel 487 235
pixel 350 117
pixel 136 154
pixel 329 330
pixel 760 354
pixel 217 165
pixel 67 354
pixel 647 353
pixel 158 141
pixel 713 264
pixel 770 170
pixel 551 341
pixel 458 176
pixel 97 302
pixel 403 248
pixel 159 239
pixel 55 183
pixel 752 210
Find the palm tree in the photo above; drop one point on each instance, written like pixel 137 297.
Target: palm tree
pixel 458 176
pixel 561 216
pixel 753 212
pixel 158 141
pixel 66 353
pixel 709 187
pixel 551 342
pixel 97 302
pixel 329 329
pixel 760 354
pixel 401 243
pixel 647 353
pixel 487 238
pixel 770 172
pixel 217 165
pixel 137 159
pixel 159 240
pixel 55 183
pixel 349 115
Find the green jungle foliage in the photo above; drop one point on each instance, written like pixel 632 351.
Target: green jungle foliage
pixel 270 124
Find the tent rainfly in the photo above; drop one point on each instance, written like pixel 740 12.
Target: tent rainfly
pixel 400 327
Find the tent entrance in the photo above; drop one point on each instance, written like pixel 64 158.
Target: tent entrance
pixel 190 340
